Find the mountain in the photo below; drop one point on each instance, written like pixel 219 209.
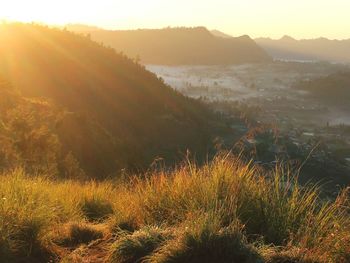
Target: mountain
pixel 181 46
pixel 320 49
pixel 113 113
pixel 218 33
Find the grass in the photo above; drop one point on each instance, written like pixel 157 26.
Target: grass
pixel 32 207
pixel 74 234
pixel 205 240
pixel 96 208
pixel 134 247
pixel 227 210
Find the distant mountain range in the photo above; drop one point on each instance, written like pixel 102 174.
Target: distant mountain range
pixel 320 49
pixel 179 46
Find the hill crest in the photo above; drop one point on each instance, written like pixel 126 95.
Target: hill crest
pixel 181 46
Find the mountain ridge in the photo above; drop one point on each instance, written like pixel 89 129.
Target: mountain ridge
pixel 320 49
pixel 181 46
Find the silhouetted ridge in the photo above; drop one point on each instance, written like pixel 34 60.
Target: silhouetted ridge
pixel 177 46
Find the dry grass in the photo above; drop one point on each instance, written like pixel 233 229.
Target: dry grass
pixel 251 214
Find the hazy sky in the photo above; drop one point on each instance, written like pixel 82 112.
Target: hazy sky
pixel 274 18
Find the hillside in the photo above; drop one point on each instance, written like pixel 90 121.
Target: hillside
pixel 331 89
pixel 181 46
pixel 44 138
pixel 141 117
pixel 320 49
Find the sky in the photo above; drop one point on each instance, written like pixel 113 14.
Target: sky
pixel 257 18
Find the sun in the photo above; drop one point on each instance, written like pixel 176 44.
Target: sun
pixel 24 11
pixel 14 10
pixel 41 10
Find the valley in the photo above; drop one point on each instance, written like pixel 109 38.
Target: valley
pixel 305 128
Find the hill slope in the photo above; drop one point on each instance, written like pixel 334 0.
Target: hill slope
pixel 321 49
pixel 181 46
pixel 332 89
pixel 144 117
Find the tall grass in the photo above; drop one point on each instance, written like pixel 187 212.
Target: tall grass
pixel 226 207
pixel 203 239
pixel 272 206
pixel 32 207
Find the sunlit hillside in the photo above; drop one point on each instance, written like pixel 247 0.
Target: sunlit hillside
pixel 116 114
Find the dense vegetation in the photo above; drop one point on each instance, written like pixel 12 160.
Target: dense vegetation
pixel 181 46
pixel 97 106
pixel 225 211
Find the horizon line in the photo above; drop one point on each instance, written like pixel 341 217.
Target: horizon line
pixel 113 28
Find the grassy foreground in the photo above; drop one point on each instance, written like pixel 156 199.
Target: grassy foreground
pixel 225 211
